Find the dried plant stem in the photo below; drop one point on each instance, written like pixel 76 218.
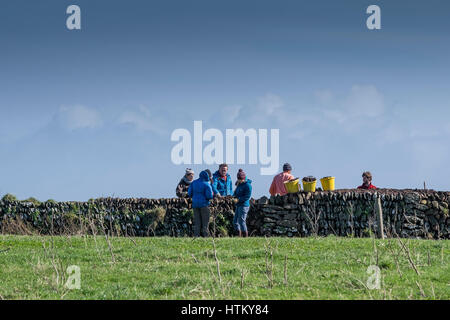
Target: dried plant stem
pixel 285 271
pixel 110 247
pixel 217 261
pixel 408 255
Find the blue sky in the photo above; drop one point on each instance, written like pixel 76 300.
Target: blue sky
pixel 89 113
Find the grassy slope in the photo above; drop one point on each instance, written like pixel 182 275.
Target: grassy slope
pixel 183 268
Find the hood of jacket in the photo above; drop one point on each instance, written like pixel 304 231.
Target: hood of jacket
pixel 204 175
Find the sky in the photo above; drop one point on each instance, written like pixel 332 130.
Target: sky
pixel 89 113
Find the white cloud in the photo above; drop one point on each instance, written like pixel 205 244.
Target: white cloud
pixel 78 117
pixel 229 114
pixel 348 112
pixel 266 110
pixel 363 105
pixel 269 103
pixel 143 120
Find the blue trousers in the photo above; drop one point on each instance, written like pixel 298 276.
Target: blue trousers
pixel 239 218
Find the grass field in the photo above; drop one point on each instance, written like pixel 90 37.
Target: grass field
pixel 34 267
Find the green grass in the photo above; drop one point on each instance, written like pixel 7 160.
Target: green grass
pixel 185 268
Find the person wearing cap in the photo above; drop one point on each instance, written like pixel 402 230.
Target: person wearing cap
pixel 243 193
pixel 222 181
pixel 201 192
pixel 367 181
pixel 185 182
pixel 277 186
pixel 214 189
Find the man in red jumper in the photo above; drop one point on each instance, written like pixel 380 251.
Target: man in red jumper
pixel 277 186
pixel 367 181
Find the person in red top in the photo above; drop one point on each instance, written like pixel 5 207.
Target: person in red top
pixel 367 181
pixel 277 186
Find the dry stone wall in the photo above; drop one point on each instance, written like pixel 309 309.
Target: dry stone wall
pixel 406 213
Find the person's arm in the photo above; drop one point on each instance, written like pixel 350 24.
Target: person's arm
pixel 272 188
pixel 247 193
pixel 208 192
pixel 179 190
pixel 190 190
pixel 237 192
pixel 230 186
pixel 214 187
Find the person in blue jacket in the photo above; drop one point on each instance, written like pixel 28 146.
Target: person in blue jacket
pixel 243 192
pixel 222 181
pixel 201 192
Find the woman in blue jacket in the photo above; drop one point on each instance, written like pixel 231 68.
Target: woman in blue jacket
pixel 243 192
pixel 201 192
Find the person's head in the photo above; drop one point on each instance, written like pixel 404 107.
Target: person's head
pixel 223 169
pixel 367 177
pixel 209 174
pixel 287 168
pixel 204 175
pixel 189 174
pixel 241 175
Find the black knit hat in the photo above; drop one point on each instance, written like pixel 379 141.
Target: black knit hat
pixel 241 174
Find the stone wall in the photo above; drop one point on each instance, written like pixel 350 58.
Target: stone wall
pixel 406 213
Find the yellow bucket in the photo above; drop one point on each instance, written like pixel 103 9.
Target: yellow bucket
pixel 327 183
pixel 309 186
pixel 292 186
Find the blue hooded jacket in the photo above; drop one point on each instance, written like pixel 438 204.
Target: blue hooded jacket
pixel 244 192
pixel 225 188
pixel 200 191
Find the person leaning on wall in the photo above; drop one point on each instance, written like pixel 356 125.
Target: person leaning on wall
pixel 185 182
pixel 277 186
pixel 367 181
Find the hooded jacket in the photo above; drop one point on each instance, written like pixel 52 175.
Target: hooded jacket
pixel 225 188
pixel 243 192
pixel 200 191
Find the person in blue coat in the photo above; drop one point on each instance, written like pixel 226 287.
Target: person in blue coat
pixel 243 192
pixel 201 192
pixel 222 181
